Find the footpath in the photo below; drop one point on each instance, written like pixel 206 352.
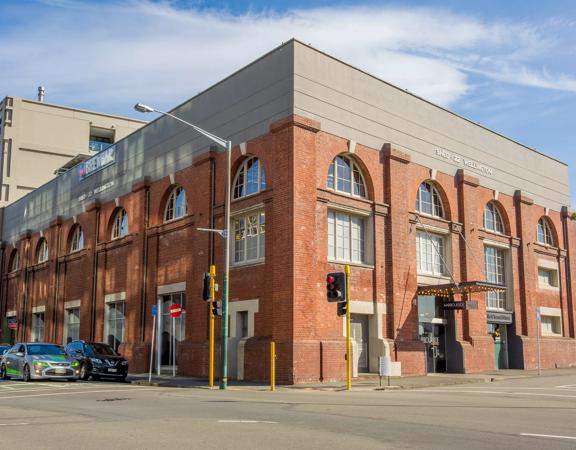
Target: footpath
pixel 365 382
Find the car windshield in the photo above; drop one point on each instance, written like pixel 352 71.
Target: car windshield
pixel 45 349
pixel 100 349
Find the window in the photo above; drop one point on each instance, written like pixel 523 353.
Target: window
pixel 250 178
pixel 430 253
pixel 114 324
pixel 494 266
pixel 38 327
pixel 71 325
pixel 242 324
pixel 428 201
pixel 493 218
pixel 547 278
pixel 77 241
pixel 249 237
pixel 551 325
pixel 120 225
pixel 14 261
pixel 176 205
pixel 544 232
pixel 345 176
pixel 42 254
pixel 346 237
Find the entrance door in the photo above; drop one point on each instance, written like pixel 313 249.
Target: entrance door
pixel 168 325
pixel 359 332
pixel 434 336
pixel 500 346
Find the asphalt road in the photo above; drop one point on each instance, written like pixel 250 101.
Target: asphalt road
pixel 524 413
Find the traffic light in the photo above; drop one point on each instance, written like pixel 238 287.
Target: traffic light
pixel 342 308
pixel 216 306
pixel 336 287
pixel 206 287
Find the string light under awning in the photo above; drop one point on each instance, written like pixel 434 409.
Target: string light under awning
pixel 465 287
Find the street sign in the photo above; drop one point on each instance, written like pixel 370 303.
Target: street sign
pixel 538 314
pixel 175 310
pixel 154 310
pixel 385 366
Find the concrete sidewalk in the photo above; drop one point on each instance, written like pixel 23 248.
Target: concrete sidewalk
pixel 364 382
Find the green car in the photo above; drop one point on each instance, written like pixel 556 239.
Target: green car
pixel 38 361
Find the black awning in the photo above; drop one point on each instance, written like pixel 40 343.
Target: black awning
pixel 465 287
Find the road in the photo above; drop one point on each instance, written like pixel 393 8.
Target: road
pixel 522 413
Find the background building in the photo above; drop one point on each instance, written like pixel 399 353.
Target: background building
pixel 40 138
pixel 330 166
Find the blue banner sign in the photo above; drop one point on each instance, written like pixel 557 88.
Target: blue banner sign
pixel 97 162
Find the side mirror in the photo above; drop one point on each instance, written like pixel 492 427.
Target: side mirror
pixel 19 354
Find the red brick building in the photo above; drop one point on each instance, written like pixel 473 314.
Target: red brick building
pixel 330 166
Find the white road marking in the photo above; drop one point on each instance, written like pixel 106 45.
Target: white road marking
pixel 462 391
pixel 567 386
pixel 246 421
pixel 75 393
pixel 547 436
pixel 13 424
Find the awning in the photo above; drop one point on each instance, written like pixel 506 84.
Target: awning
pixel 465 287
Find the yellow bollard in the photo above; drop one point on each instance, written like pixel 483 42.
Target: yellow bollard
pixel 272 366
pixel 211 345
pixel 348 346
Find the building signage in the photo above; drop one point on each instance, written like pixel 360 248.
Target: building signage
pixel 463 161
pixel 92 192
pixel 97 162
pixel 471 304
pixel 499 317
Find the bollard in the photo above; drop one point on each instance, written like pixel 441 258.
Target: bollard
pixel 272 366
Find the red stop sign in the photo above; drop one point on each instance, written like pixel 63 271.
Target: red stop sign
pixel 175 310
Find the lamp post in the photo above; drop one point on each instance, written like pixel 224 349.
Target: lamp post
pixel 224 233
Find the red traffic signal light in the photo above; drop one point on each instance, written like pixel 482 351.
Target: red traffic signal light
pixel 336 287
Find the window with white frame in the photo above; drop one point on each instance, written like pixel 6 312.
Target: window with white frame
pixel 250 178
pixel 71 325
pixel 430 253
pixel 428 200
pixel 77 240
pixel 114 324
pixel 494 263
pixel 544 232
pixel 493 219
pixel 37 327
pixel 120 225
pixel 551 325
pixel 176 204
pixel 14 261
pixel 346 237
pixel 42 254
pixel 249 237
pixel 345 176
pixel 547 278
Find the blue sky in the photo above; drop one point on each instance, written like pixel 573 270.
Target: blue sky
pixel 509 65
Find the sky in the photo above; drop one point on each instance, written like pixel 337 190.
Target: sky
pixel 507 64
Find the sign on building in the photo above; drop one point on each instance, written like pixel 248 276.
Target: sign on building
pixel 97 162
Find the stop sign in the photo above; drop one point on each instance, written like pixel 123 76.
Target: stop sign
pixel 175 310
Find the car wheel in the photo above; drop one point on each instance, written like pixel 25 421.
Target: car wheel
pixel 123 378
pixel 26 373
pixel 3 372
pixel 84 372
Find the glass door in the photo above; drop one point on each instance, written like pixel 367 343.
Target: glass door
pixel 171 327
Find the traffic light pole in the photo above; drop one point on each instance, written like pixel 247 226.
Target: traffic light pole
pixel 211 349
pixel 348 347
pixel 224 343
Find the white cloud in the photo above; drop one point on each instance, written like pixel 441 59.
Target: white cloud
pixel 108 55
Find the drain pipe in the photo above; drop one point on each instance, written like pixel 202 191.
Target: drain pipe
pixel 94 274
pixel 145 264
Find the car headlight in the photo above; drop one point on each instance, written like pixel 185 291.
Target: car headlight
pixel 40 364
pixel 124 363
pixel 96 361
pixel 74 364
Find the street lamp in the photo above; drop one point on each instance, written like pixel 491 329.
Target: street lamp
pixel 225 233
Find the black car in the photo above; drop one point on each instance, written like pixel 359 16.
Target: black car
pixel 98 360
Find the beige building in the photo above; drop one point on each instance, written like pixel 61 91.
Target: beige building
pixel 40 140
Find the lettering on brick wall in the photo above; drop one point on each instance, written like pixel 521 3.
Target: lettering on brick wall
pixel 92 192
pixel 466 162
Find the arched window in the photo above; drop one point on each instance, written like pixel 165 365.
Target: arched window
pixel 42 253
pixel 493 219
pixel 428 200
pixel 120 225
pixel 14 261
pixel 176 204
pixel 77 239
pixel 249 179
pixel 544 232
pixel 345 176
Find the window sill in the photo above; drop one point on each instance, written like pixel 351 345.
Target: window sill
pixel 551 335
pixel 352 264
pixel 257 262
pixel 549 288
